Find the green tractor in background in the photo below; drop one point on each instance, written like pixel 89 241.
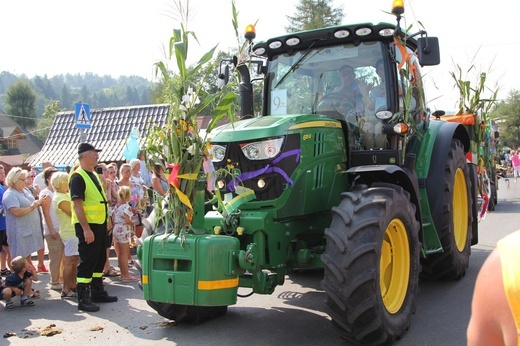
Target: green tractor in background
pixel 370 189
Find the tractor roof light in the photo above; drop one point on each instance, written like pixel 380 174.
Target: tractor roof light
pixel 363 31
pixel 275 44
pixel 341 33
pixel 250 33
pixel 259 51
pixel 398 7
pixel 293 41
pixel 386 32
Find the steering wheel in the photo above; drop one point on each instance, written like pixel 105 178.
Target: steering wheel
pixel 338 102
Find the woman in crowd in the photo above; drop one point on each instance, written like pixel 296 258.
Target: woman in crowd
pixel 159 181
pixel 34 190
pixel 22 217
pixel 51 230
pixel 61 203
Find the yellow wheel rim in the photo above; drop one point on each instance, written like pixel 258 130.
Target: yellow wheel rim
pixel 394 266
pixel 460 210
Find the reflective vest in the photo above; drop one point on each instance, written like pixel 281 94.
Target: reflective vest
pixel 95 203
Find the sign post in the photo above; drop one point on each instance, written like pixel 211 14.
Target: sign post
pixel 82 115
pixel 82 112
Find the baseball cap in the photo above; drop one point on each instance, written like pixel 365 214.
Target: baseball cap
pixel 83 147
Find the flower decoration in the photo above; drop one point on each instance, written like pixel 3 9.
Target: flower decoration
pixel 178 145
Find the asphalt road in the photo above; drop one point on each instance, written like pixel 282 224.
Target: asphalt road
pixel 293 315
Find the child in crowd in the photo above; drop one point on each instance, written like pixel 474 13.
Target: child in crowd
pixel 17 283
pixel 61 204
pixel 121 216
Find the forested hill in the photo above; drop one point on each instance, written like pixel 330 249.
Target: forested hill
pixel 97 91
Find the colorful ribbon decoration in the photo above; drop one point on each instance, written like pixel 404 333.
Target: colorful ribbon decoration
pixel 173 180
pixel 267 169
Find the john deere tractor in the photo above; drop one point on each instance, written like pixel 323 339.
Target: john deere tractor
pixel 344 170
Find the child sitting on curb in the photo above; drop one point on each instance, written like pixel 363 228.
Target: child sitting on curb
pixel 18 283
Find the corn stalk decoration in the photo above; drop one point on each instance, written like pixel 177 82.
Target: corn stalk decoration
pixel 178 145
pixel 472 101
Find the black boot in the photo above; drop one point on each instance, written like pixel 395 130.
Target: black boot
pixel 84 299
pixel 99 295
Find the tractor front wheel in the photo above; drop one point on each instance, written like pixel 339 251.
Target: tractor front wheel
pixel 187 313
pixel 372 263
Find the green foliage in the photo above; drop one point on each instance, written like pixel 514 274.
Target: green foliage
pixel 314 14
pixel 45 123
pixel 507 115
pixel 21 104
pixel 97 91
pixel 471 100
pixel 178 144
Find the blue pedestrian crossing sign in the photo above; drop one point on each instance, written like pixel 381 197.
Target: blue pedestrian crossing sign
pixel 82 116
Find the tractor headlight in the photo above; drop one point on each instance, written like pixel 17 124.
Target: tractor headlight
pixel 217 152
pixel 262 150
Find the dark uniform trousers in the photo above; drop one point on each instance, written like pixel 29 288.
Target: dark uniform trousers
pixel 92 257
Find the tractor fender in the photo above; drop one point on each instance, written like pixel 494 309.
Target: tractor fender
pixel 392 174
pixel 435 178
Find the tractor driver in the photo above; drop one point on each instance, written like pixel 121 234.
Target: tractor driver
pixel 349 99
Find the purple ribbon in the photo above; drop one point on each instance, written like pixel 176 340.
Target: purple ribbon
pixel 267 169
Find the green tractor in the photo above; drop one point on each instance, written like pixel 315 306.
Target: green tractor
pixel 363 185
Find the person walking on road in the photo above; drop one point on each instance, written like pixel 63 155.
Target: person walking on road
pixel 515 161
pixel 89 216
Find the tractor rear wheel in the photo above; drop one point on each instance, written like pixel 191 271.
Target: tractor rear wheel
pixel 372 263
pixel 455 235
pixel 187 313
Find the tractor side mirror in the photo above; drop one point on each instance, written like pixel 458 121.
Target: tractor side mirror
pixel 223 76
pixel 428 51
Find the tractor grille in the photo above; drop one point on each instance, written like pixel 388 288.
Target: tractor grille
pixel 275 182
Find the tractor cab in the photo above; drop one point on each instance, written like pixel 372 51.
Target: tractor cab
pixel 356 74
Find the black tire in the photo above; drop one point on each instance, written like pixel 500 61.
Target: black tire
pixel 372 264
pixel 187 313
pixel 455 234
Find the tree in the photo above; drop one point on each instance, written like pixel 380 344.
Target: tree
pixel 21 102
pixel 314 14
pixel 45 123
pixel 507 115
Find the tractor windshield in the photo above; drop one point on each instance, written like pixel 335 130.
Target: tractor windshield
pixel 345 82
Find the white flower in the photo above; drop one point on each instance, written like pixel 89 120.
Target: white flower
pixel 189 100
pixel 191 149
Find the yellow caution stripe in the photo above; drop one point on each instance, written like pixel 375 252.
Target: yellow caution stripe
pixel 317 123
pixel 217 284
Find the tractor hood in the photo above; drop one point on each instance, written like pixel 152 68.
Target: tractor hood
pixel 268 126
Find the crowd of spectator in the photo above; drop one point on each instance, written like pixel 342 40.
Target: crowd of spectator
pixel 36 208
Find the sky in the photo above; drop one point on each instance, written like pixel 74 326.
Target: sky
pixel 126 37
